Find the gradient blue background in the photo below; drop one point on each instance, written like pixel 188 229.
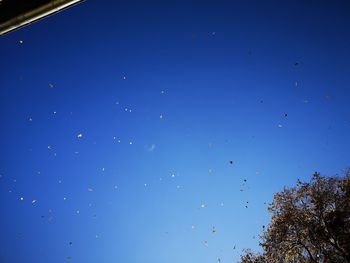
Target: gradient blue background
pixel 221 73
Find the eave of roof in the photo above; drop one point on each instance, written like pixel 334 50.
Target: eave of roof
pixel 19 13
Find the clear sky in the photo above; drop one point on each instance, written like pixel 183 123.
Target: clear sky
pixel 158 131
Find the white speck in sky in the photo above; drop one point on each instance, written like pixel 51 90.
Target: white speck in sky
pixel 161 116
pixel 21 199
pixel 30 119
pixel 103 169
pixel 280 125
pixel 90 189
pixel 151 148
pixel 78 212
pixel 130 142
pixel 124 77
pixel 51 85
pixel 173 175
pixel 202 205
pixel 80 135
pixel 49 147
pixel 34 201
pixel 21 41
pixel 64 198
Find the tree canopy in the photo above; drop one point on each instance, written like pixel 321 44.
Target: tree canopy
pixel 310 223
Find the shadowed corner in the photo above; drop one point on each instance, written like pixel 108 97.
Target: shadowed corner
pixel 15 14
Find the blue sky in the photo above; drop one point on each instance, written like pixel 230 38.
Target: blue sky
pixel 119 122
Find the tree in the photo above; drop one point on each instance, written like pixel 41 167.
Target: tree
pixel 250 257
pixel 310 224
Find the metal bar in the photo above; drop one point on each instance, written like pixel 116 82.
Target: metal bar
pixel 35 14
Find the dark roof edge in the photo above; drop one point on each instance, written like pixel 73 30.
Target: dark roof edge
pixel 35 15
